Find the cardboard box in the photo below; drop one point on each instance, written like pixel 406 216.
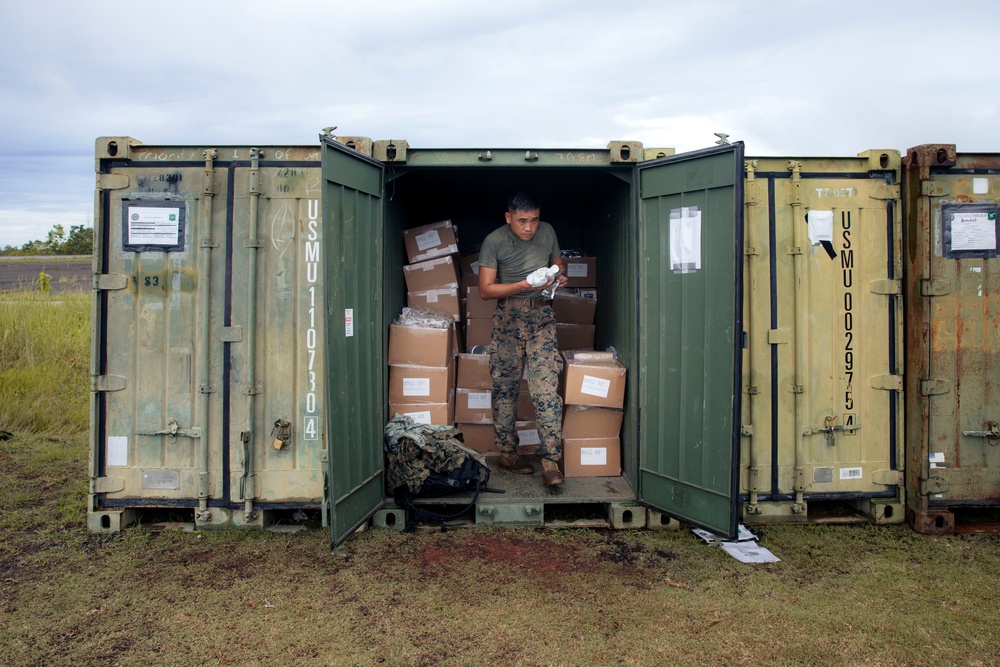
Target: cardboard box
pixel 473 406
pixel 429 241
pixel 426 413
pixel 573 308
pixel 421 384
pixel 474 372
pixel 478 332
pixel 600 383
pixel 416 346
pixel 592 457
pixel 470 264
pixel 444 301
pixel 581 272
pixel 477 307
pixel 584 421
pixel 480 437
pixel 525 408
pixel 575 336
pixel 433 274
pixel 527 437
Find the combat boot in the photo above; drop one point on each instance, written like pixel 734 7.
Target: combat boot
pixel 551 474
pixel 516 464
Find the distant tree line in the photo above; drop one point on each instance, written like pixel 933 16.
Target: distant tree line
pixel 79 241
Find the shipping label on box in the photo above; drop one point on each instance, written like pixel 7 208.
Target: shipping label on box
pixel 431 275
pixel 581 421
pixel 429 241
pixel 573 308
pixel 418 346
pixel 527 437
pixel 478 307
pixel 581 272
pixel 421 384
pixel 426 413
pixel 443 301
pixel 592 457
pixel 597 383
pixel 470 264
pixel 473 406
pixel 474 372
pixel 575 336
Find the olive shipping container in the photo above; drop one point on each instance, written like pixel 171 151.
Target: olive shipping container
pixel 952 337
pixel 822 419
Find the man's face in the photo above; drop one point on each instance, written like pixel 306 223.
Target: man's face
pixel 524 224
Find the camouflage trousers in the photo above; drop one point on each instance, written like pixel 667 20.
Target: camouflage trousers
pixel 525 336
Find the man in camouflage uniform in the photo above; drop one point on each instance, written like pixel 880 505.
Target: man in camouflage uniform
pixel 524 332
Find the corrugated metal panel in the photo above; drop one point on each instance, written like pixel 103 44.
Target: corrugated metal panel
pixel 953 329
pixel 823 416
pixel 172 331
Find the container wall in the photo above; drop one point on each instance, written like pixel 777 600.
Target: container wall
pixel 953 335
pixel 822 432
pixel 176 415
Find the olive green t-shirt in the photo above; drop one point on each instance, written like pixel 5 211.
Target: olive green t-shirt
pixel 514 258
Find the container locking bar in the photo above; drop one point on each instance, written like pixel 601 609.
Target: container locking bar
pixel 828 429
pixel 992 432
pixel 173 431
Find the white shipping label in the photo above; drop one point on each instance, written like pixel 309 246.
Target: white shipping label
pixel 576 270
pixel 475 268
pixel 528 436
pixel 593 456
pixel 427 240
pixel 153 226
pixel 348 322
pixel 936 457
pixel 851 473
pixel 685 240
pixel 973 231
pixel 595 386
pixel 117 450
pixel 432 297
pixel 416 386
pixel 480 400
pixel 980 186
pixel 420 417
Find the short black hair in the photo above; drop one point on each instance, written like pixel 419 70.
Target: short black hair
pixel 522 201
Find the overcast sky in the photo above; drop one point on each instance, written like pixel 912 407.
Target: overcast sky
pixel 788 78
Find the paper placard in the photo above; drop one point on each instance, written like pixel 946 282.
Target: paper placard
pixel 576 270
pixel 420 417
pixel 348 322
pixel 936 457
pixel 480 400
pixel 528 436
pixel 117 450
pixel 820 226
pixel 416 386
pixel 980 186
pixel 153 226
pixel 595 386
pixel 593 456
pixel 685 240
pixel 851 473
pixel 973 230
pixel 427 240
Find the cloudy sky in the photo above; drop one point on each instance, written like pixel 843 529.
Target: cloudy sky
pixel 792 78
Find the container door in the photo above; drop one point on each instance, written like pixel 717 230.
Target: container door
pixel 352 259
pixel 690 335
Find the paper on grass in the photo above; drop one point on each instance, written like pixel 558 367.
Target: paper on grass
pixel 749 552
pixel 742 535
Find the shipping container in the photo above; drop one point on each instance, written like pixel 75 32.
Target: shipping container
pixel 952 336
pixel 208 363
pixel 823 416
pixel 672 310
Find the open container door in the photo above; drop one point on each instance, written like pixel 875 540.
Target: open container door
pixel 352 260
pixel 690 335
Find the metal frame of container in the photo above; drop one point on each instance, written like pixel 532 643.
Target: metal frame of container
pixel 952 335
pixel 823 417
pixel 209 380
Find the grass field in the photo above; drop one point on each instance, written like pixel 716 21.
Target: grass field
pixel 842 595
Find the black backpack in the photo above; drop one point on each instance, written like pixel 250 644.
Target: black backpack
pixel 430 461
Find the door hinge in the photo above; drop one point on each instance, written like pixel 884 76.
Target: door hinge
pixel 929 485
pixel 109 484
pixel 750 192
pixel 884 191
pixel 934 189
pixel 934 386
pixel 107 383
pixel 934 287
pixel 112 181
pixel 888 477
pixel 887 286
pixel 110 281
pixel 887 382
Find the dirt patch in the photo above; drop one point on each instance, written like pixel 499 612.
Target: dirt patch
pixel 523 554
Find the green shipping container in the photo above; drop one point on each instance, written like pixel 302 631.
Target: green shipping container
pixel 952 335
pixel 673 311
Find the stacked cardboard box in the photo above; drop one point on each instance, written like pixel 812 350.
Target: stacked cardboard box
pixel 593 390
pixel 422 373
pixel 473 403
pixel 432 274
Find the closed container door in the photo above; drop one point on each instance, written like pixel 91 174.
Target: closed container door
pixel 690 335
pixel 356 335
pixel 955 331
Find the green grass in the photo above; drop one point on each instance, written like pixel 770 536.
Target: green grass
pixel 842 595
